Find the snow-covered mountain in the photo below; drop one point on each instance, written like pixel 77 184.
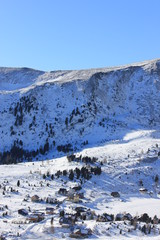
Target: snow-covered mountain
pixel 98 131
pixel 62 111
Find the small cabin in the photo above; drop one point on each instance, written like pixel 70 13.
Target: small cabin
pixel 81 195
pixel 52 200
pixel 128 217
pixel 77 188
pixel 49 210
pixel 119 217
pixel 74 198
pixel 35 218
pixel 115 194
pixel 23 212
pixel 63 191
pixel 105 218
pixel 35 198
pixel 143 190
pixel 89 215
pixel 81 233
pixel 67 221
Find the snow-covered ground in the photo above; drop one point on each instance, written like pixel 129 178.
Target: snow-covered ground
pixel 109 115
pixel 125 164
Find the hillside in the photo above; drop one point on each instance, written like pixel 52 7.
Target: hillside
pixel 80 153
pixel 56 113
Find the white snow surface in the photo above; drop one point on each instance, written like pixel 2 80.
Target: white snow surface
pixel 116 110
pixel 120 172
pixel 100 104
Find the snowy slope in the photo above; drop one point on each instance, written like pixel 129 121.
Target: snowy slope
pixel 76 107
pixel 111 115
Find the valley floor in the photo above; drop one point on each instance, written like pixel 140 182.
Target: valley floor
pixel 130 167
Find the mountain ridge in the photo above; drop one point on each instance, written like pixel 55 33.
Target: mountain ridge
pixel 42 76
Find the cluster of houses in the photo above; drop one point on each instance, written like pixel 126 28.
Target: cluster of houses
pixel 76 217
pixel 73 220
pixel 79 213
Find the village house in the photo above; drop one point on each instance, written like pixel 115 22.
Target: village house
pixel 115 194
pixel 127 216
pixel 74 198
pixel 119 217
pixel 84 213
pixel 37 217
pixel 143 190
pixel 88 215
pixel 77 188
pixel 63 191
pixel 81 233
pixel 35 198
pixel 67 220
pixel 81 195
pixel 80 209
pixel 123 217
pixel 105 218
pixel 23 212
pixel 49 210
pixel 52 200
pixel 156 220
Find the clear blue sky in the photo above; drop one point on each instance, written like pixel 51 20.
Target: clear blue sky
pixel 75 34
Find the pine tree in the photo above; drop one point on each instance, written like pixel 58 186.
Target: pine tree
pixel 71 175
pixel 52 221
pixel 18 183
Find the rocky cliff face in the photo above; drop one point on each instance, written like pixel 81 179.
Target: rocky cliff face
pixel 43 113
